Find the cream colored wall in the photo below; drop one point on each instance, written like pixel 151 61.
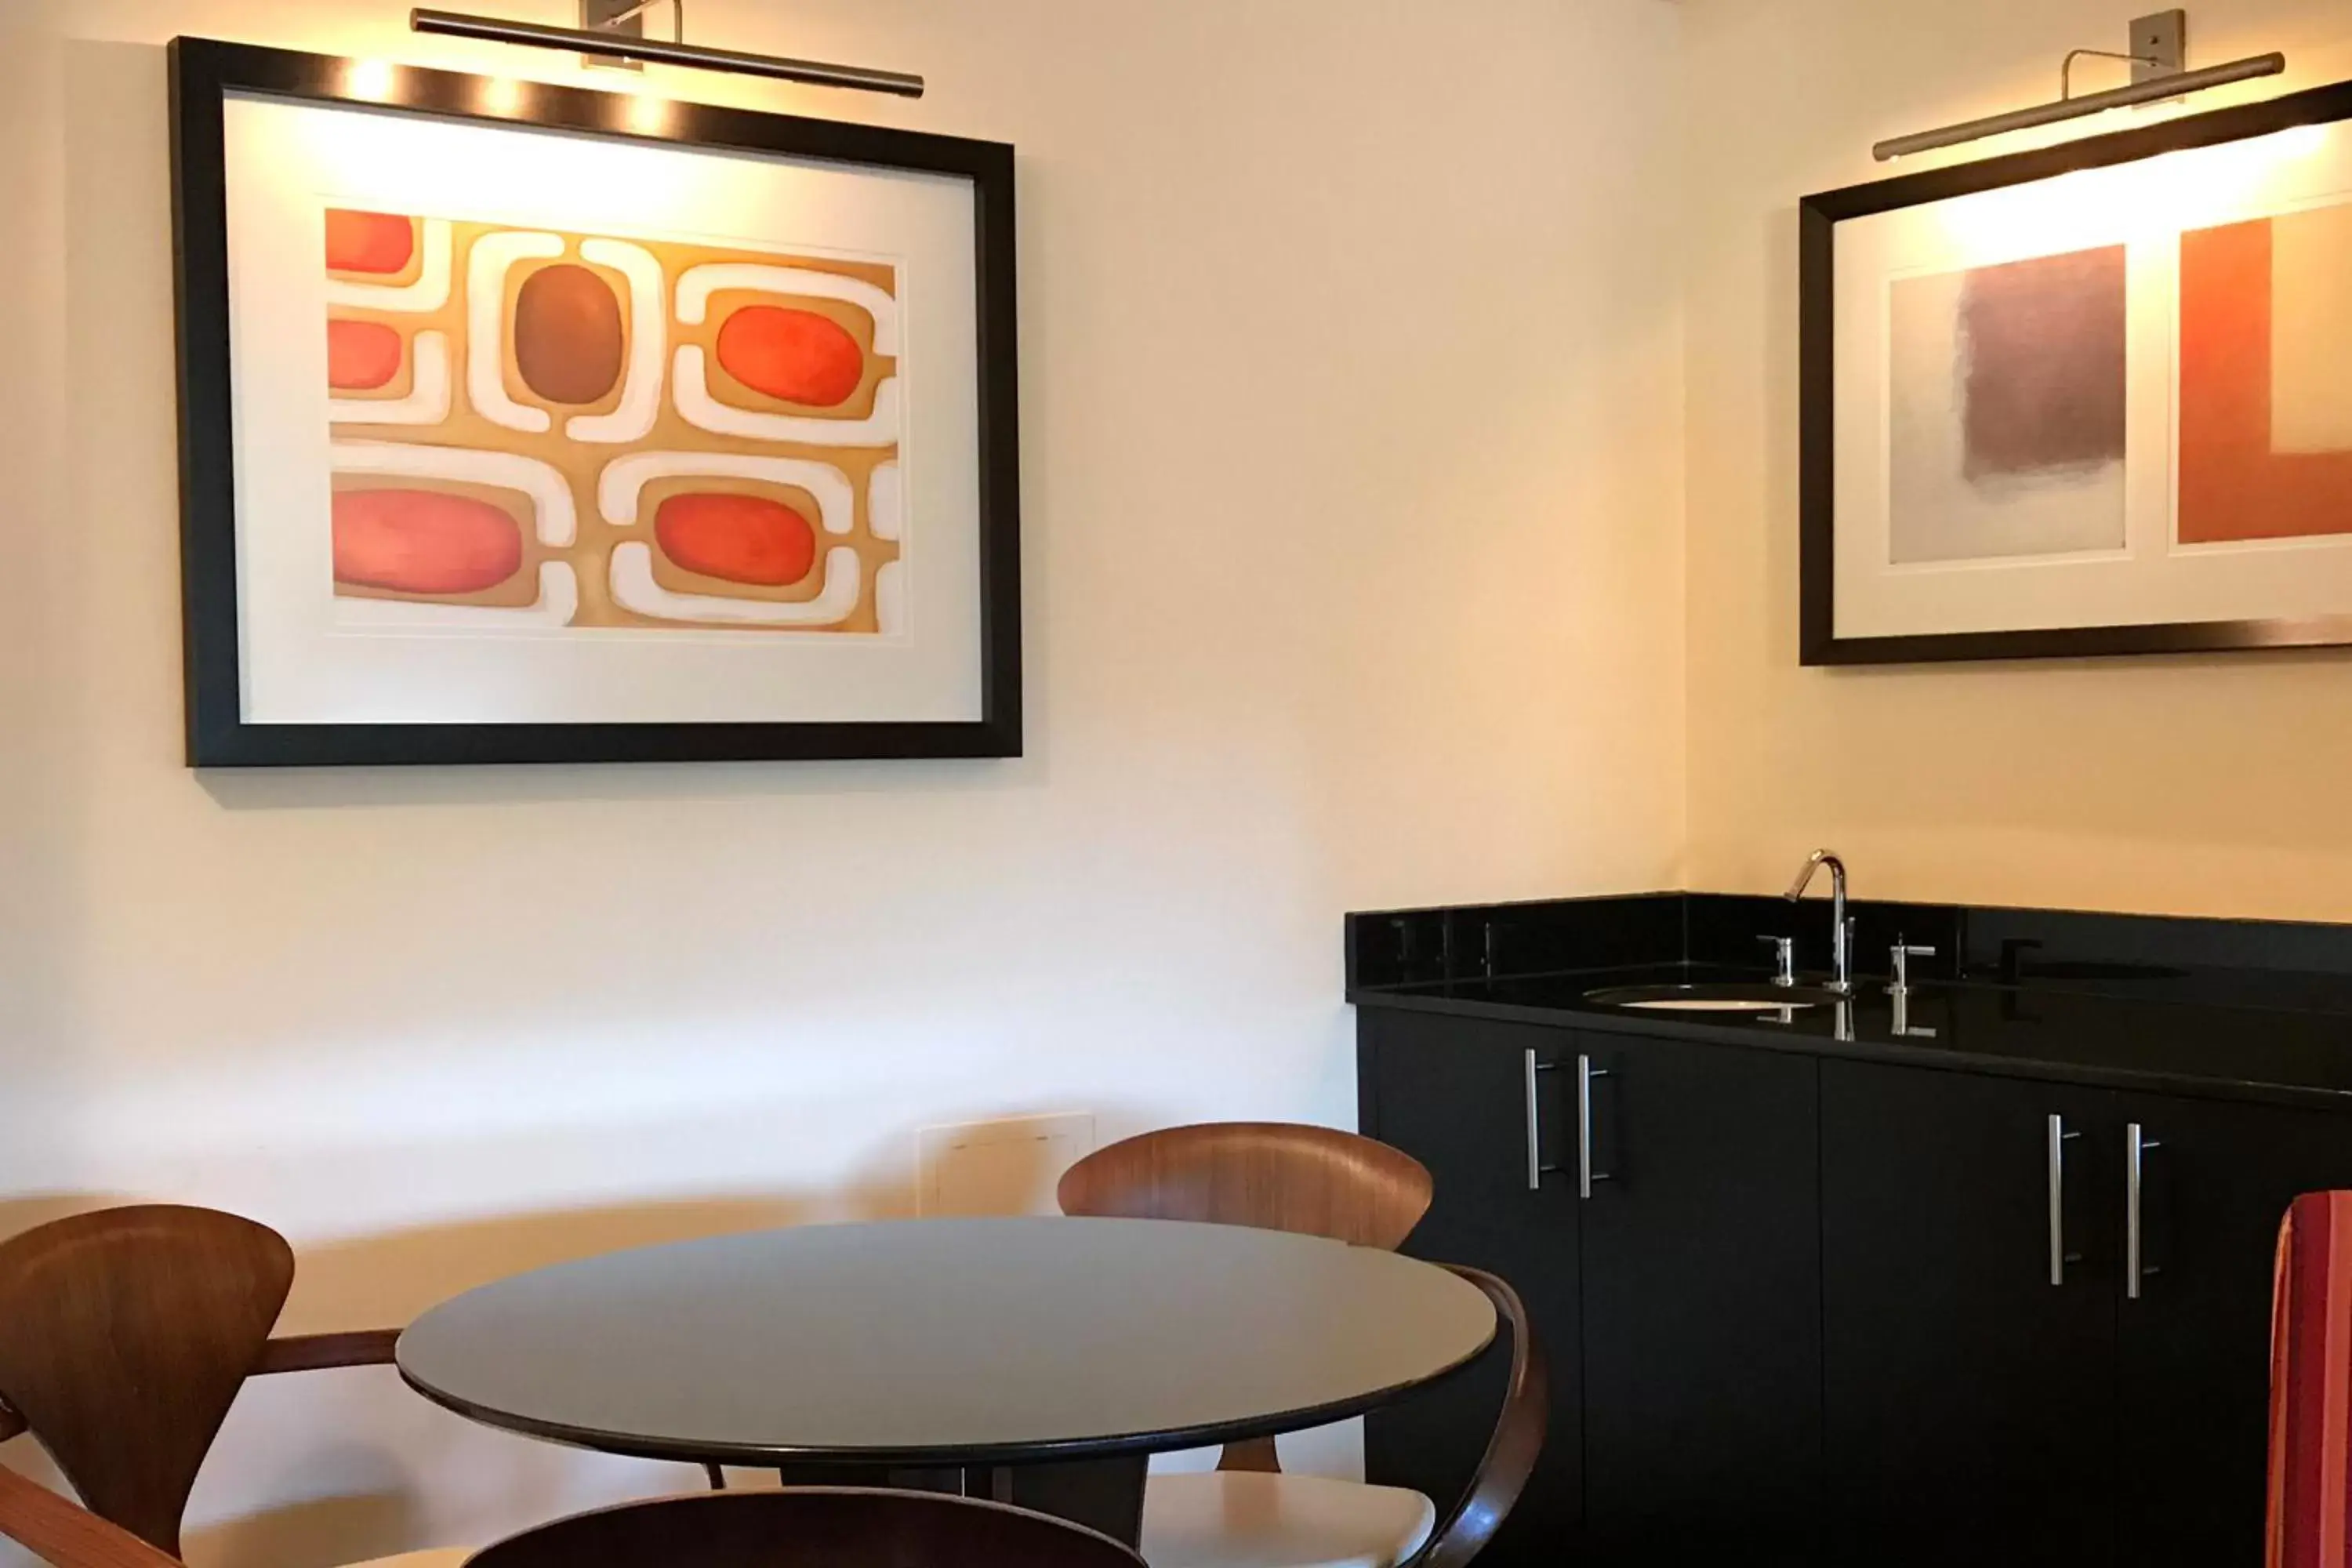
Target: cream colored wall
pixel 2195 785
pixel 1351 388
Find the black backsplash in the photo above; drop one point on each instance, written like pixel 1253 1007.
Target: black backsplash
pixel 2249 964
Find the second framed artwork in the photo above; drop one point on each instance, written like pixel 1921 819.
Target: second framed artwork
pixel 523 423
pixel 2091 399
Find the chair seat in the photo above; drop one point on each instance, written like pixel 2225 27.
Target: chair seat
pixel 1249 1518
pixel 440 1557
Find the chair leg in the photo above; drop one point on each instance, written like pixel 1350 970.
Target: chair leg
pixel 718 1477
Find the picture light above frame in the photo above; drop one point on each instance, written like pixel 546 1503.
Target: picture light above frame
pixel 2158 49
pixel 522 423
pixel 2093 398
pixel 612 32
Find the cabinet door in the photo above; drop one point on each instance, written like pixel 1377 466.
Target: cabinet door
pixel 1970 1402
pixel 2195 1340
pixel 1454 1093
pixel 1701 1306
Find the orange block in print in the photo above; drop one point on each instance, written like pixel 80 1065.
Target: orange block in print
pixel 369 242
pixel 361 355
pixel 2265 421
pixel 422 542
pixel 793 356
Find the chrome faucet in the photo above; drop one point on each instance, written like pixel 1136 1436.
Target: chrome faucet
pixel 1840 929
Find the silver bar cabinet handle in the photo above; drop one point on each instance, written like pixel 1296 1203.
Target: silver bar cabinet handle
pixel 2059 1255
pixel 1585 1175
pixel 2136 1143
pixel 1536 1167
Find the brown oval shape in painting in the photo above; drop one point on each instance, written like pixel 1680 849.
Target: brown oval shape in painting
pixel 741 539
pixel 369 242
pixel 795 356
pixel 361 355
pixel 422 542
pixel 568 341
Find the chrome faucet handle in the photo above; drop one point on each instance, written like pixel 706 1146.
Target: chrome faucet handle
pixel 1902 953
pixel 1784 951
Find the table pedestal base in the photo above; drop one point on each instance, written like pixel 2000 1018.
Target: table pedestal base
pixel 1101 1494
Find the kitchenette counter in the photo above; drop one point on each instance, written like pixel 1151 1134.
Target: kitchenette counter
pixel 2234 1009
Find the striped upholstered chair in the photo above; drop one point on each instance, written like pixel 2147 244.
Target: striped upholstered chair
pixel 2311 1386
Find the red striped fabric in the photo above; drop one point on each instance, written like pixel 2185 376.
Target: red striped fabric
pixel 2311 1386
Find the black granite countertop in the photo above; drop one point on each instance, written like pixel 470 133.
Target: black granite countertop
pixel 2224 1009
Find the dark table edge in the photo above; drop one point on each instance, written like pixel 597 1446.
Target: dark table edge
pixel 1115 1446
pixel 1613 1021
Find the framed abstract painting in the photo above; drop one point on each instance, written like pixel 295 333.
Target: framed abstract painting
pixel 523 423
pixel 2094 398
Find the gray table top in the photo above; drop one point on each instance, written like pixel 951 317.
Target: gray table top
pixel 946 1342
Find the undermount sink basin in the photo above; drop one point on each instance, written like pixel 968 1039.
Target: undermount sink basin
pixel 1736 997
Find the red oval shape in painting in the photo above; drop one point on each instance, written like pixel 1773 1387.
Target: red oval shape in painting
pixel 422 542
pixel 741 539
pixel 369 242
pixel 795 356
pixel 361 355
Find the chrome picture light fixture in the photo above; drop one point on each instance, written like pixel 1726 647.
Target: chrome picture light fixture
pixel 612 39
pixel 2159 54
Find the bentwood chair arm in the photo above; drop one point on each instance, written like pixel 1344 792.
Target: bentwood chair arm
pixel 61 1531
pixel 1511 1452
pixel 314 1353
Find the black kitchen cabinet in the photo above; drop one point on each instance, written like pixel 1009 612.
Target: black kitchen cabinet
pixel 2193 1364
pixel 1678 1301
pixel 1701 1306
pixel 1816 1270
pixel 1969 1283
pixel 1825 1310
pixel 1456 1096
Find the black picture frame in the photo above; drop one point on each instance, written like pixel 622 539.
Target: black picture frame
pixel 203 73
pixel 1818 217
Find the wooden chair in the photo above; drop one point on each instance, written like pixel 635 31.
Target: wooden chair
pixel 809 1527
pixel 1316 1181
pixel 124 1336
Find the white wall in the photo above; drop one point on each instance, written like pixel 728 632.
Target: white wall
pixel 2211 785
pixel 1352 378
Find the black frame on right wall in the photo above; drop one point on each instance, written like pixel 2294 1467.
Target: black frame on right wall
pixel 1818 217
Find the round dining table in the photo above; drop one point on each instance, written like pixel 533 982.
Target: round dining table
pixel 1036 1360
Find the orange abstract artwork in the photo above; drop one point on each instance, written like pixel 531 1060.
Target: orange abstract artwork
pixel 531 428
pixel 2265 395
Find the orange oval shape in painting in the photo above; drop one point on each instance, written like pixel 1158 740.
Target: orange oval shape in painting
pixel 361 355
pixel 568 341
pixel 422 542
pixel 741 539
pixel 369 242
pixel 795 356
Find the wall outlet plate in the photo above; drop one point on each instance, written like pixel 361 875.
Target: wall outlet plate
pixel 1007 1167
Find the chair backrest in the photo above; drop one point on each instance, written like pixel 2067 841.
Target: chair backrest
pixel 809 1527
pixel 124 1336
pixel 2311 1385
pixel 1274 1175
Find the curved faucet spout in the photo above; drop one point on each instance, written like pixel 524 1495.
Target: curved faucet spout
pixel 1840 929
pixel 1819 858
